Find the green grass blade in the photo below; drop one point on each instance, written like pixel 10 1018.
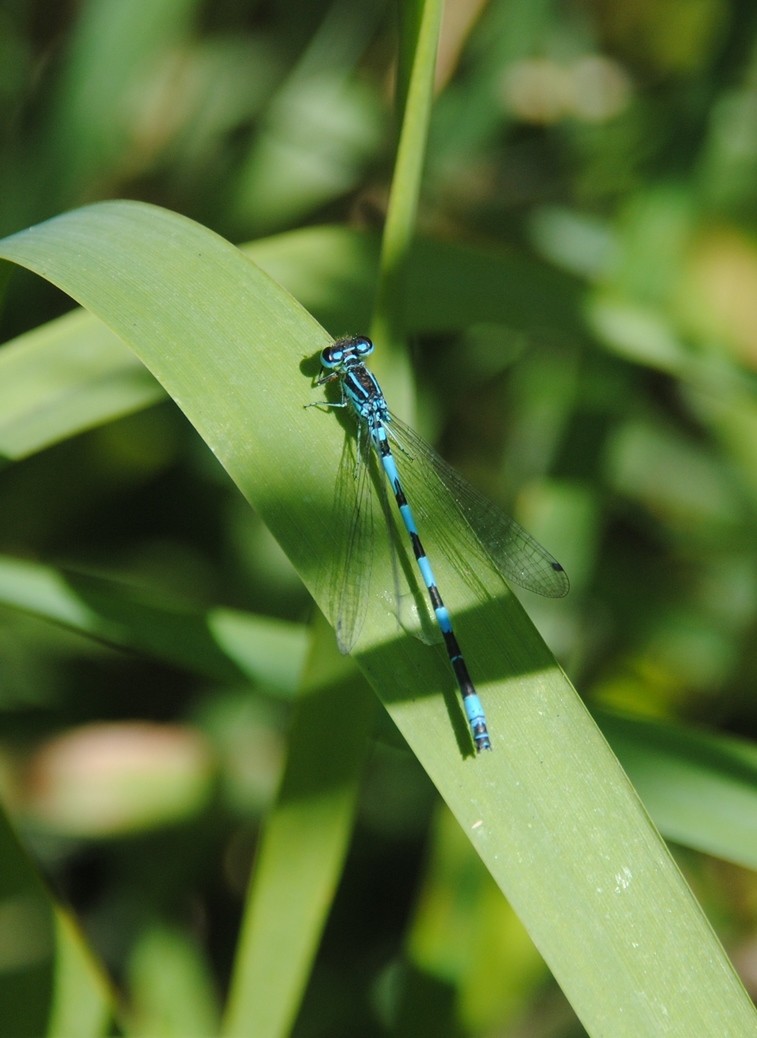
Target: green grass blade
pixel 701 788
pixel 421 22
pixel 67 376
pixel 172 988
pixel 549 811
pixel 49 984
pixel 302 850
pixel 223 644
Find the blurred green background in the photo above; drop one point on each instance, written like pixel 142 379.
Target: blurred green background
pixel 603 158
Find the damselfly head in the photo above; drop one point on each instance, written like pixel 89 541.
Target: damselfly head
pixel 347 351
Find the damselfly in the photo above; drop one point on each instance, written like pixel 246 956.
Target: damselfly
pixel 504 544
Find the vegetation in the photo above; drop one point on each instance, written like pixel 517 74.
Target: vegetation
pixel 544 215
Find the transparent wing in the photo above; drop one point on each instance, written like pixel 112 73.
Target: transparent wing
pixel 351 566
pixel 513 552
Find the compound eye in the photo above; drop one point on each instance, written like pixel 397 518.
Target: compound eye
pixel 331 357
pixel 364 345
